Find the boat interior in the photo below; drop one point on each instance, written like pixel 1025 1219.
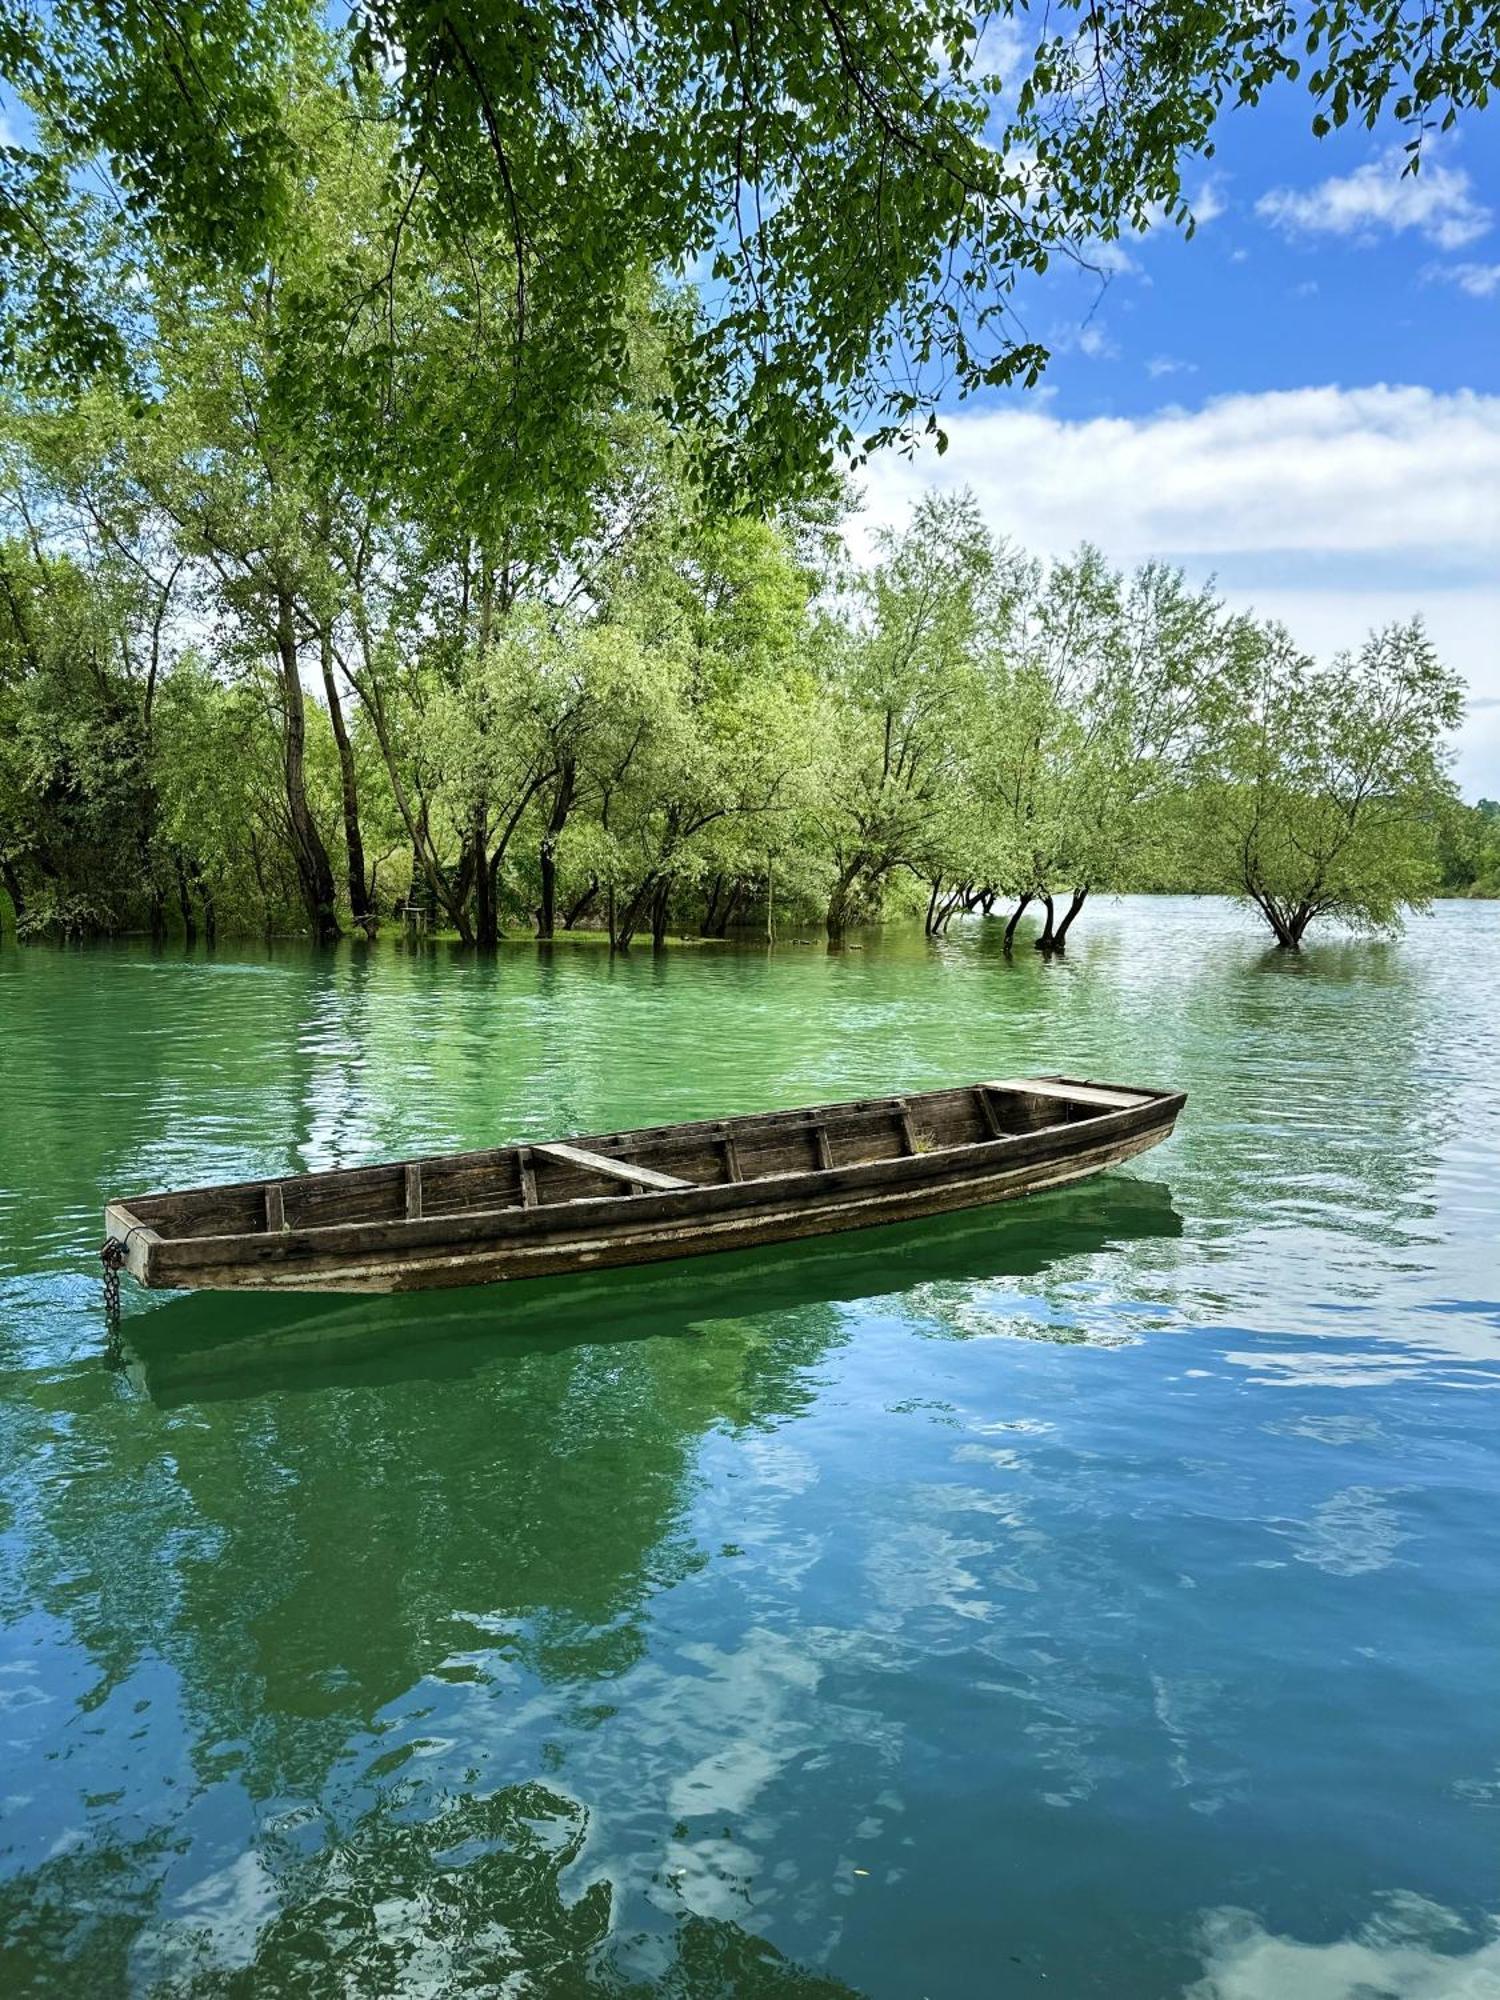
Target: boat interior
pixel 757 1146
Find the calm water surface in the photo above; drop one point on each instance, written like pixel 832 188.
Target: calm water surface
pixel 1097 1598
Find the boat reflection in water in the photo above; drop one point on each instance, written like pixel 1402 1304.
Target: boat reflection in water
pixel 207 1346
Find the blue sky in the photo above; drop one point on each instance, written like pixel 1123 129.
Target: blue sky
pixel 1302 400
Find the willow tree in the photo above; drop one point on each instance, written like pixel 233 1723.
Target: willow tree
pixel 1322 789
pixel 1097 687
pixel 900 699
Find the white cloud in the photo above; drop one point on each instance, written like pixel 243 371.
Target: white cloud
pixel 1438 202
pixel 1095 343
pixel 1207 204
pixel 1334 509
pixel 1480 281
pixel 1165 364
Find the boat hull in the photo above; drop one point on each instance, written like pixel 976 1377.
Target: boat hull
pixel 509 1244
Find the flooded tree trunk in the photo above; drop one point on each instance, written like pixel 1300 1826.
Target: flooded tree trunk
pixel 1015 917
pixel 185 903
pixel 486 919
pixel 361 907
pixel 660 910
pixel 711 925
pixel 839 901
pixel 1045 938
pixel 314 874
pixel 557 819
pixel 721 914
pixel 1080 897
pixel 1287 926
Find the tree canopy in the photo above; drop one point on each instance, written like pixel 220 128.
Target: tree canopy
pixel 848 196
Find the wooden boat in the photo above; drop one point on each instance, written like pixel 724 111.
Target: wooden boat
pixel 530 1210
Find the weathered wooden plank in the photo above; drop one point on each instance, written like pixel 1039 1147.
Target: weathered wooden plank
pixel 615 1170
pixel 820 1140
pixel 731 1154
pixel 988 1112
pixel 1108 1099
pixel 413 1190
pixel 275 1208
pixel 904 1126
pixel 528 1177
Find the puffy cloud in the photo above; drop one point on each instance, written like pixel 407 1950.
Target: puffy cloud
pixel 1327 470
pixel 1333 509
pixel 1438 202
pixel 1480 281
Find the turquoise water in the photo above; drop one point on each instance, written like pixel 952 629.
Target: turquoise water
pixel 1095 1598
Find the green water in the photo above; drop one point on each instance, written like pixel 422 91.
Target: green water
pixel 1094 1598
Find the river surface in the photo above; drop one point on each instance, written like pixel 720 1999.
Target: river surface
pixel 1097 1597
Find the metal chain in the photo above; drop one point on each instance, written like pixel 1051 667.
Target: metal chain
pixel 112 1257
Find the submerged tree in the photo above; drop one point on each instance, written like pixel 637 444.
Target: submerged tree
pixel 1321 790
pixel 902 692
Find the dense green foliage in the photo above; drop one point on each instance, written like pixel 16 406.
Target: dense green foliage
pixel 727 724
pixel 417 477
pixel 854 192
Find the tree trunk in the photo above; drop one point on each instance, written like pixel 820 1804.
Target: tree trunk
pixel 1287 932
pixel 486 922
pixel 1045 941
pixel 1015 917
pixel 580 909
pixel 838 902
pixel 557 819
pixel 314 875
pixel 361 908
pixel 260 882
pixel 1080 897
pixel 440 887
pixel 720 915
pixel 13 889
pixel 660 908
pixel 185 903
pixel 623 924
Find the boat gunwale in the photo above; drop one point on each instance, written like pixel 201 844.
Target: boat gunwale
pixel 884 1100
pixel 426 1231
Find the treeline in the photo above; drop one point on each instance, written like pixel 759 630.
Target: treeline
pixel 309 614
pixel 727 717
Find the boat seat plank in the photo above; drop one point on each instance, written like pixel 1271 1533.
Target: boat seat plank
pixel 617 1170
pixel 1072 1093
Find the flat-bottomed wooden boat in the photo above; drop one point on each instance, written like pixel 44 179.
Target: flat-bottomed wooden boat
pixel 532 1210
